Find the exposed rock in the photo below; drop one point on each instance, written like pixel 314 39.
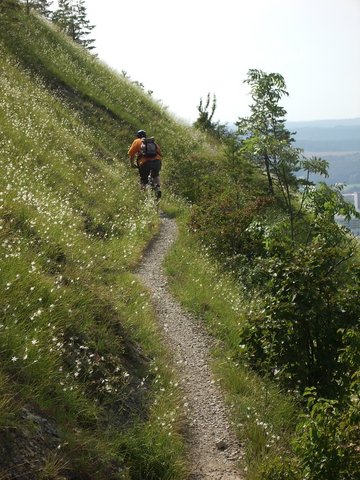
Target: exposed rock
pixel 26 449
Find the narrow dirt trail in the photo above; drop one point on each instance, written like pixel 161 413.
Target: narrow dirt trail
pixel 214 449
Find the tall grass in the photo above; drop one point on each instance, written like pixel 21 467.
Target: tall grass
pixel 78 341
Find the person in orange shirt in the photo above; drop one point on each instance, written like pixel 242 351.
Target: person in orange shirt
pixel 147 165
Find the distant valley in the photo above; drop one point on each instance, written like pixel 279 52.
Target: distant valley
pixel 337 141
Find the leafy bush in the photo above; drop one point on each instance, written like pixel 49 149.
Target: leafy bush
pixel 188 175
pixel 329 438
pixel 310 300
pixel 279 468
pixel 222 222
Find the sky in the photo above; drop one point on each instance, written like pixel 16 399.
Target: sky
pixel 183 50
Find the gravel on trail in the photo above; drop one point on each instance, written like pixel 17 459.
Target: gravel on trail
pixel 214 451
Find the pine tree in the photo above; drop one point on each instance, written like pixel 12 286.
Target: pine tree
pixel 72 19
pixel 83 27
pixel 43 7
pixel 62 16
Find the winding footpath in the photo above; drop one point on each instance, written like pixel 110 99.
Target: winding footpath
pixel 213 448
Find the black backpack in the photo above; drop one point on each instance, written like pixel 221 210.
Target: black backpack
pixel 148 147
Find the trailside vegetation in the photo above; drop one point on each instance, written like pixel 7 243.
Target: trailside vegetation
pixel 205 122
pixel 268 224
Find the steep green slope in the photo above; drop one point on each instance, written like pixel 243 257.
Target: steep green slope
pixel 84 385
pixel 100 96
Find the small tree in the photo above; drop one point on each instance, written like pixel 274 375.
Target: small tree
pixel 205 119
pixel 265 137
pixel 267 142
pixel 62 16
pixel 42 6
pixel 82 26
pixel 72 19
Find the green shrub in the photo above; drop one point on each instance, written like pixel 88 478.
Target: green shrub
pixel 222 222
pixel 329 438
pixel 280 468
pixel 311 299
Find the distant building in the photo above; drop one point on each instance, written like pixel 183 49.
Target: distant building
pixel 353 198
pixel 354 223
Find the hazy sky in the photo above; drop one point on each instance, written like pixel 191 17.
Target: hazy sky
pixel 184 49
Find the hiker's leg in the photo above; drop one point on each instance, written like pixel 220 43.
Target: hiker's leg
pixel 155 171
pixel 144 171
pixel 155 175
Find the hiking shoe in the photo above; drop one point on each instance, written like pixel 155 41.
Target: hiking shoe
pixel 157 192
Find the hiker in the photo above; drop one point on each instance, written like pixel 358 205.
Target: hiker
pixel 145 155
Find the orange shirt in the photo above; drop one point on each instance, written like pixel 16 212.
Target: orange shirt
pixel 135 149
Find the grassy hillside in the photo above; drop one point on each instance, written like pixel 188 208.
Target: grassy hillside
pixel 83 379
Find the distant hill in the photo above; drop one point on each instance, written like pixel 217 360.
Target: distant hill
pixel 347 122
pixel 327 135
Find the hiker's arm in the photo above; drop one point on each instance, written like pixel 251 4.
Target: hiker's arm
pixel 133 150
